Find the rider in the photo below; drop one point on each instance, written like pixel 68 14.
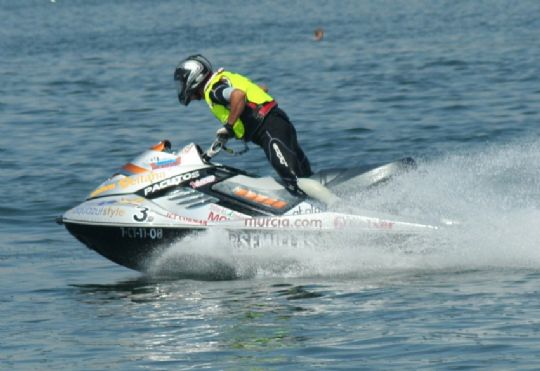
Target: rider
pixel 249 113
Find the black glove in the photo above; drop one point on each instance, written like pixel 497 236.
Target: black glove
pixel 226 132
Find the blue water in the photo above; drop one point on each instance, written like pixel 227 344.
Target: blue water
pixel 86 85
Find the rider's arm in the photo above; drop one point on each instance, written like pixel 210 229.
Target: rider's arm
pixel 238 103
pixel 235 99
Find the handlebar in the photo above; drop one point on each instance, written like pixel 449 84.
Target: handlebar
pixel 218 145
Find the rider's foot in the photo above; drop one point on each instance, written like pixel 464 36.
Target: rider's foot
pixel 316 190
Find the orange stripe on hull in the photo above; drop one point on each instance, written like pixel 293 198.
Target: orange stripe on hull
pixel 279 204
pixel 258 198
pixel 134 169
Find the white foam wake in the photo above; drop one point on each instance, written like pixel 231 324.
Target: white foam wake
pixel 494 194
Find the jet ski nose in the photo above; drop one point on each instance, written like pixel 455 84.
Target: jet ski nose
pixel 59 220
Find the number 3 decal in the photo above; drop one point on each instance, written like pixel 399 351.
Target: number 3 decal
pixel 144 215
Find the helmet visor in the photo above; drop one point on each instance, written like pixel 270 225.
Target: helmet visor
pixel 183 98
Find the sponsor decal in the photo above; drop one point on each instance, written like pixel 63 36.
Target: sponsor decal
pixel 123 201
pixel 102 189
pixel 243 239
pixel 142 233
pixel 215 217
pixel 203 181
pixel 171 182
pixel 341 222
pixel 283 223
pixel 311 209
pixel 218 214
pixel 131 201
pixel 165 163
pixel 110 212
pixel 128 182
pixel 381 224
pixel 140 179
pixel 280 156
pixel 186 219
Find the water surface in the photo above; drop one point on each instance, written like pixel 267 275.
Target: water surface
pixel 87 85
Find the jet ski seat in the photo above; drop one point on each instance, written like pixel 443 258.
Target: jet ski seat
pixel 264 193
pixel 266 183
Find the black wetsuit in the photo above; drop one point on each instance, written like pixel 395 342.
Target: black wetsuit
pixel 275 134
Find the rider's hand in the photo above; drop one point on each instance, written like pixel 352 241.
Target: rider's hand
pixel 225 132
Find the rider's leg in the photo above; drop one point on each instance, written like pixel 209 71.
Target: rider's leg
pixel 281 147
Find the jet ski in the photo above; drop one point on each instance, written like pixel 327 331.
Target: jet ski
pixel 162 196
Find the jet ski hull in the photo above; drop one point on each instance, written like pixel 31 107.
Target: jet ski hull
pixel 163 196
pixel 131 247
pixel 136 246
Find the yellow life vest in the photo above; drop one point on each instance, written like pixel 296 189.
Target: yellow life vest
pixel 255 95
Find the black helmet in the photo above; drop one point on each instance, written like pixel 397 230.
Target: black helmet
pixel 189 75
